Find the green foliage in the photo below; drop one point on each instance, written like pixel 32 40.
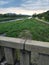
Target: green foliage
pixel 34 15
pixel 39 31
pixel 44 16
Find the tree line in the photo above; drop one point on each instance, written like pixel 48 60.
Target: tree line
pixel 12 15
pixel 44 15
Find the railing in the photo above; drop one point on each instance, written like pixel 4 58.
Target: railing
pixel 8 44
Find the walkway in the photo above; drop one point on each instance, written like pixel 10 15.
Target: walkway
pixel 42 21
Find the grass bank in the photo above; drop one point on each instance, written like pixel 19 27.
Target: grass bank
pixel 39 31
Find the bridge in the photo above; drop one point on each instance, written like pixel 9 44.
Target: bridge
pixel 8 45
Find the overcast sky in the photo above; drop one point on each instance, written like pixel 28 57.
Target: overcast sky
pixel 24 6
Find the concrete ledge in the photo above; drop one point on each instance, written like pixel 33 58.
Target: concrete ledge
pixel 37 46
pixel 30 45
pixel 12 42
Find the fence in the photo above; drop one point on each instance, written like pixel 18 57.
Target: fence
pixel 8 44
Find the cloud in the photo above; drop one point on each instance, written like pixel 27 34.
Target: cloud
pixel 4 2
pixel 35 4
pixel 24 6
pixel 19 11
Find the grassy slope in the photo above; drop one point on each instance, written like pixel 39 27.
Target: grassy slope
pixel 40 31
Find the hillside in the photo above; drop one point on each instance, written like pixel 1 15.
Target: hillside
pixel 44 16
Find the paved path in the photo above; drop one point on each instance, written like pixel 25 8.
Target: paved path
pixel 42 21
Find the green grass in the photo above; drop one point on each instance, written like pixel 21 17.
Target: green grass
pixel 39 31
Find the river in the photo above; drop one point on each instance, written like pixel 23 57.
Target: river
pixel 12 20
